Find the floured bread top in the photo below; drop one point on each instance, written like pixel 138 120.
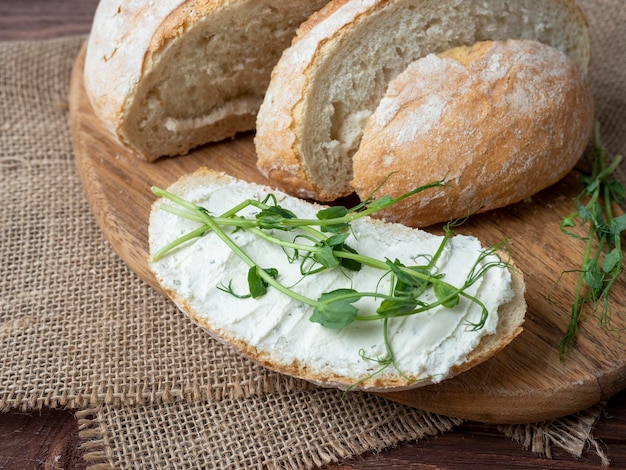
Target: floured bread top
pixel 275 329
pixel 491 63
pixel 498 121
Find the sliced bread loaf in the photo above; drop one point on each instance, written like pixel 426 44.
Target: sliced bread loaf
pixel 167 76
pixel 332 78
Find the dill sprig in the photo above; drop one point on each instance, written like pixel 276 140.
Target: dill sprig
pixel 320 244
pixel 603 259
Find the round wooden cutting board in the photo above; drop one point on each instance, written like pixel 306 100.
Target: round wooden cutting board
pixel 526 382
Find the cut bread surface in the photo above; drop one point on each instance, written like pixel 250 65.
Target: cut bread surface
pixel 275 330
pixel 332 78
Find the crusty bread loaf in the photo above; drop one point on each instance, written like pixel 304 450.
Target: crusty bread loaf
pixel 275 330
pixel 509 119
pixel 167 76
pixel 336 71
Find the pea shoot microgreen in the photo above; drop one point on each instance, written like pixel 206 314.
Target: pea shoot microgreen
pixel 603 258
pixel 320 244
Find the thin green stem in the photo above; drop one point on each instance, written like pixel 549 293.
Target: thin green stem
pixel 200 231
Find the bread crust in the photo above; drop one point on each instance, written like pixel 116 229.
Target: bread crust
pixel 510 319
pixel 284 151
pixel 510 119
pixel 114 59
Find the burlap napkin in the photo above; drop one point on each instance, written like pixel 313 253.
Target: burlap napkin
pixel 79 330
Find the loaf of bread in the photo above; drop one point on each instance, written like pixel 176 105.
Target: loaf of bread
pixel 275 330
pixel 334 75
pixel 506 120
pixel 167 76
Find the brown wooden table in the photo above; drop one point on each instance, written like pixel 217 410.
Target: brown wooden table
pixel 49 438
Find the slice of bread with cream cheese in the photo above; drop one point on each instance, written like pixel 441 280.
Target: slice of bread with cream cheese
pixel 275 330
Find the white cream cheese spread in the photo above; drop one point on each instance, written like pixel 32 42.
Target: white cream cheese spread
pixel 425 345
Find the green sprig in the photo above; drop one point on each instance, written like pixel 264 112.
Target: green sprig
pixel 603 257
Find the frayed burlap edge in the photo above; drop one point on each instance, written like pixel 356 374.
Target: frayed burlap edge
pixel 573 434
pixel 96 446
pixel 104 447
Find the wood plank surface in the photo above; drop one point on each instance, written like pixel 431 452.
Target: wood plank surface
pixel 525 383
pixel 48 438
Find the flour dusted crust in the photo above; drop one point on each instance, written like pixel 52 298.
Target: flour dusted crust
pixel 510 315
pixel 509 119
pixel 336 71
pixel 166 76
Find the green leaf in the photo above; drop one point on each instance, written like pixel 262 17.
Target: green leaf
pixel 334 212
pixel 593 276
pixel 569 221
pixel 387 200
pixel 336 310
pixel 273 272
pixel 256 284
pixel 612 260
pixel 617 225
pixel 447 293
pixel 597 214
pixel 408 280
pixel 380 203
pixel 402 289
pixel 350 264
pixel 330 213
pixel 584 213
pixel 397 306
pixel 337 240
pixel 335 228
pixel 273 216
pixel 591 184
pixel 326 257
